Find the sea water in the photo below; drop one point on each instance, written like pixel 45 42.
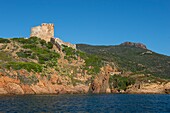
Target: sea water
pixel 84 103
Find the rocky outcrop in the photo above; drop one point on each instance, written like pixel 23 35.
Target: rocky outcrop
pixel 138 45
pixel 147 88
pixel 3 91
pixel 13 88
pixel 100 84
pixel 167 88
pixel 59 43
pixel 56 85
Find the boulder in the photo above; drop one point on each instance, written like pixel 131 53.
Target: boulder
pixel 3 91
pixel 27 89
pixel 13 88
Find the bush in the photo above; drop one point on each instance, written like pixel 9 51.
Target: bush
pixel 29 66
pixel 3 40
pixel 47 57
pixel 49 45
pixel 68 50
pixel 29 46
pixel 82 54
pixel 43 54
pixel 31 40
pixel 42 42
pixel 120 82
pixel 20 40
pixel 94 62
pixel 5 57
pixel 24 54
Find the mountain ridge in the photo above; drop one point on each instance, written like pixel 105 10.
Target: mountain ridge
pixel 124 52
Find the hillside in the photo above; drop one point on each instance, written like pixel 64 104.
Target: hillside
pixel 35 66
pixel 39 67
pixel 131 58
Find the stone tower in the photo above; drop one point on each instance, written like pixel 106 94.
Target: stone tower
pixel 45 31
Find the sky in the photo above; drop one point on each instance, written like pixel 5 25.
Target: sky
pixel 96 22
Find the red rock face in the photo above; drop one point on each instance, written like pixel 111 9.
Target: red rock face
pixel 101 82
pixel 13 86
pixel 138 45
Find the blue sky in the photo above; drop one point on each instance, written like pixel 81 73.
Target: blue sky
pixel 97 22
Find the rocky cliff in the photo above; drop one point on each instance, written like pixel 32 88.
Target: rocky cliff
pixel 34 66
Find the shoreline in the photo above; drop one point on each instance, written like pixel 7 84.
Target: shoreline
pixel 85 94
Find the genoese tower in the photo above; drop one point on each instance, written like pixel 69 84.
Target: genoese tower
pixel 45 31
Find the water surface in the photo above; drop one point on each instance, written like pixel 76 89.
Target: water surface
pixel 104 103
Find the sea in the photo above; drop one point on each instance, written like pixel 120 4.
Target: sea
pixel 86 103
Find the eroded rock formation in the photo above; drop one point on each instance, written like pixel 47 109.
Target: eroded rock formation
pixel 138 45
pixel 100 84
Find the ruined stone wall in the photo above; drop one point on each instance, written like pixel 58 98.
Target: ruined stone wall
pixel 45 31
pixel 60 42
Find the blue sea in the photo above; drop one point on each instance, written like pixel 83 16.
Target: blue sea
pixel 86 103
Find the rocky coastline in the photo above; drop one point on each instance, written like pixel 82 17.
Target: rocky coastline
pixel 58 85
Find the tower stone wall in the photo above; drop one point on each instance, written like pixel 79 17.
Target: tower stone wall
pixel 45 31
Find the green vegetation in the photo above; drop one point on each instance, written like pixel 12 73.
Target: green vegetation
pixel 81 54
pixel 29 66
pixel 49 45
pixel 119 82
pixel 31 51
pixel 37 49
pixel 74 81
pixel 3 40
pixel 93 64
pixel 132 59
pixel 70 52
pixel 5 57
pixel 28 80
pixel 31 40
pixel 24 54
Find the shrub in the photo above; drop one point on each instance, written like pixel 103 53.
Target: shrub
pixel 5 57
pixel 29 66
pixel 82 54
pixel 29 46
pixel 43 54
pixel 120 82
pixel 68 50
pixel 47 57
pixel 49 45
pixel 3 40
pixel 94 62
pixel 43 42
pixel 20 40
pixel 31 40
pixel 24 54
